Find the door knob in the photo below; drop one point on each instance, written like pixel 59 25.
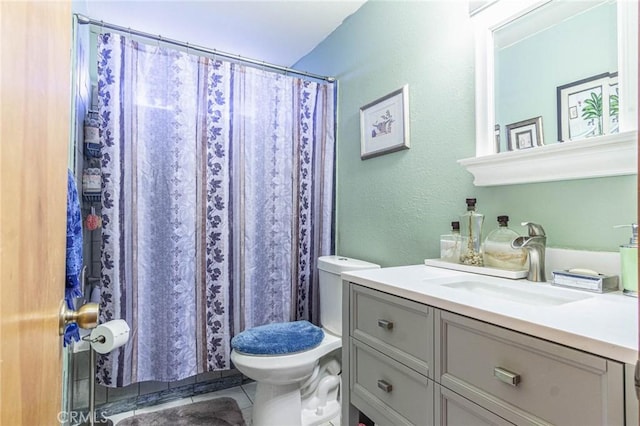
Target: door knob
pixel 86 316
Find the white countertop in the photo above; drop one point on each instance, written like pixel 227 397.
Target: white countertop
pixel 602 324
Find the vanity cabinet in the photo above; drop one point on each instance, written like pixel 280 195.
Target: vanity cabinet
pixel 391 357
pixel 410 363
pixel 526 380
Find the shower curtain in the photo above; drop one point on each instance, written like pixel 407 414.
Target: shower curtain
pixel 217 200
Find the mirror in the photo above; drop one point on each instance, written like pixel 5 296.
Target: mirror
pixel 538 64
pixel 557 45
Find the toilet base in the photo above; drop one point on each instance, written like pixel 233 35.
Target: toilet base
pixel 330 413
pixel 281 405
pixel 277 405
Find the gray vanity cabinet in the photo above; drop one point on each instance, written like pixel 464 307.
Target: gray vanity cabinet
pixel 412 364
pixel 390 358
pixel 526 380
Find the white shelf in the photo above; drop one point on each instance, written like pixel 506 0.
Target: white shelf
pixel 610 155
pixel 494 272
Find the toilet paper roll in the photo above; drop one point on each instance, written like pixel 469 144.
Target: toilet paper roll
pixel 109 336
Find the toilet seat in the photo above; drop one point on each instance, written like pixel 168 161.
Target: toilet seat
pixel 280 338
pixel 285 368
pixel 328 344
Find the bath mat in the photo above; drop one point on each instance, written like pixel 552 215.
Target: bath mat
pixel 213 412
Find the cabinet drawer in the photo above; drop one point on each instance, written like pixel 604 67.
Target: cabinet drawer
pixel 540 381
pixel 397 327
pixel 397 394
pixel 452 409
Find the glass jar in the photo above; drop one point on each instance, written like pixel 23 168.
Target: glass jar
pixel 450 244
pixel 471 231
pixel 497 251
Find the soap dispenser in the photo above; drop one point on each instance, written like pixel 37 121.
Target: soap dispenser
pixel 629 262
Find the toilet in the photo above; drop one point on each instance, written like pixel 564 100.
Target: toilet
pixel 297 365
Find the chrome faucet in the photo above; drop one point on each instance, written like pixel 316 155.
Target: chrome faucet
pixel 535 244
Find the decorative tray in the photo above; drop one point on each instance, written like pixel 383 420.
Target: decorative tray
pixel 502 273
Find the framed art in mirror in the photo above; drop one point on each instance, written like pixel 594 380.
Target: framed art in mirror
pixel 384 124
pixel 588 107
pixel 525 134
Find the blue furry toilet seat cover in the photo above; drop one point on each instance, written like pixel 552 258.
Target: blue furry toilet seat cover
pixel 278 338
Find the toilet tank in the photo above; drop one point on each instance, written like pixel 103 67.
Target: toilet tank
pixel 330 286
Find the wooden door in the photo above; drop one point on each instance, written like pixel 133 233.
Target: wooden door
pixel 35 39
pixel 637 369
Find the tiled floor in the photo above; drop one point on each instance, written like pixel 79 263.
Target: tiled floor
pixel 244 396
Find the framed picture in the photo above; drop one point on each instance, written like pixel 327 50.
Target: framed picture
pixel 384 124
pixel 525 134
pixel 588 107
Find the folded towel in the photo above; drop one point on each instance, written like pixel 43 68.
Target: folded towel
pixel 73 286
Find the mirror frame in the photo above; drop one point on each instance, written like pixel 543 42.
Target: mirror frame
pixel 608 155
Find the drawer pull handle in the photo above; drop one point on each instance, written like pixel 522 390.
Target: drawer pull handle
pixel 506 376
pixel 387 325
pixel 387 387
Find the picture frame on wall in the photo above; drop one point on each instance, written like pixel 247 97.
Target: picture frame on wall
pixel 384 124
pixel 525 134
pixel 588 107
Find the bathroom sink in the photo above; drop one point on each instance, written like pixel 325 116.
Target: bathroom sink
pixel 547 296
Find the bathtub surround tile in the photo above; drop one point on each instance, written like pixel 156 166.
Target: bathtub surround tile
pixel 101 395
pixel 216 385
pixel 144 401
pixel 80 394
pixel 209 375
pixel 86 243
pixel 81 365
pixel 147 400
pixel 118 407
pixel 232 372
pixel 184 382
pixel 165 396
pixel 151 387
pixel 80 391
pixel 96 244
pixel 117 394
pixel 170 404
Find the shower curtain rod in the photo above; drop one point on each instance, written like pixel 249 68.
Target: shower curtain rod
pixel 84 20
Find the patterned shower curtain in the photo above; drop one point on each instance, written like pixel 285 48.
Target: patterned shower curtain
pixel 217 200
